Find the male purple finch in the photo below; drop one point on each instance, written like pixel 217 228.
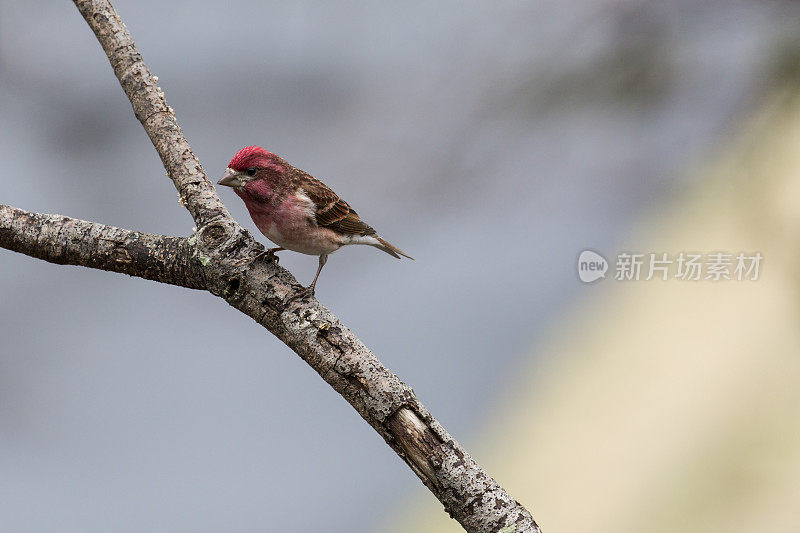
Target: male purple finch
pixel 295 210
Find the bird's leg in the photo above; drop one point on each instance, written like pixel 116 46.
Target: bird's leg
pixel 269 254
pixel 322 260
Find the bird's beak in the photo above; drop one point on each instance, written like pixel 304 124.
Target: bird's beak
pixel 231 178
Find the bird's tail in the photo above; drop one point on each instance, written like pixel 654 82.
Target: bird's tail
pixel 390 249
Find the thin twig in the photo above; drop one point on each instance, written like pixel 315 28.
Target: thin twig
pixel 150 107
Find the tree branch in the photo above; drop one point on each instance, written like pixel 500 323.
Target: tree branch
pixel 222 252
pixel 150 107
pixel 69 241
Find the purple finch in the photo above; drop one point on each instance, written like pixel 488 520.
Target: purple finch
pixel 295 210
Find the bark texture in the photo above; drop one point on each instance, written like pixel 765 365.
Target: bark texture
pixel 150 107
pixel 222 257
pixel 69 241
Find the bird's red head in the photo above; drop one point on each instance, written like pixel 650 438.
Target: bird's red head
pixel 256 175
pixel 256 157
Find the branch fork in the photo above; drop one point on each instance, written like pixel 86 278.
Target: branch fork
pixel 224 259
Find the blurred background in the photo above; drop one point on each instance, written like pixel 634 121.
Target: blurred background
pixel 493 142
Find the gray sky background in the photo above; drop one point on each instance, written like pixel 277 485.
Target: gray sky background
pixel 491 141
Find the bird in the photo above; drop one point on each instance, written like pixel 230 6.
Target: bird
pixel 295 210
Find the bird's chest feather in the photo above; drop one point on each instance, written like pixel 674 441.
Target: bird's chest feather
pixel 289 223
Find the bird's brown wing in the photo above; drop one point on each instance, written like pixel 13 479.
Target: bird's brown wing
pixel 331 211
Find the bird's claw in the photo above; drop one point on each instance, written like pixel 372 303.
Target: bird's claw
pixel 307 292
pixel 268 255
pixel 302 294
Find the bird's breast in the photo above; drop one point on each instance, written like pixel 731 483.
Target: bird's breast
pixel 290 225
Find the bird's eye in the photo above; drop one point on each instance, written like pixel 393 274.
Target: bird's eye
pixel 251 171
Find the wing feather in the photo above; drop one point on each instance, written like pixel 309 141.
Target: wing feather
pixel 331 211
